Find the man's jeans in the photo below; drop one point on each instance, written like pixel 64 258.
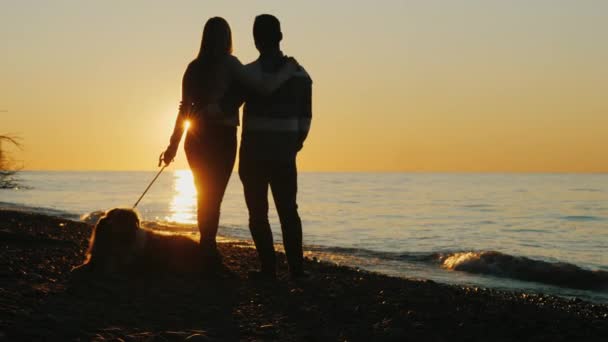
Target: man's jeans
pixel 282 177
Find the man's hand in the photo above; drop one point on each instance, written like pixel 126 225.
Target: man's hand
pixel 169 154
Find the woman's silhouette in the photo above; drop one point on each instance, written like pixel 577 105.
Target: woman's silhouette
pixel 211 140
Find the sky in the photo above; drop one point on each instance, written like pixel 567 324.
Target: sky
pixel 460 85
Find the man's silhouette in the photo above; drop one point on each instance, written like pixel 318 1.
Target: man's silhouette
pixel 274 130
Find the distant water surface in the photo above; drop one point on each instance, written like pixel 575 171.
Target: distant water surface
pixel 405 224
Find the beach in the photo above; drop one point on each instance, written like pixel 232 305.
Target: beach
pixel 40 300
pixel 431 173
pixel 402 224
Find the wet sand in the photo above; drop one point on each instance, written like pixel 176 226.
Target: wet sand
pixel 39 300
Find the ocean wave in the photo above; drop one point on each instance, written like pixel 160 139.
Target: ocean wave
pixel 171 227
pixel 92 217
pixel 522 268
pixel 167 227
pixel 491 263
pixel 581 218
pixel 585 190
pixel 366 253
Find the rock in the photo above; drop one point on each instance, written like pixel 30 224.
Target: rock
pixel 198 338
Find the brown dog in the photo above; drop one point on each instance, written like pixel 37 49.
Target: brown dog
pixel 119 244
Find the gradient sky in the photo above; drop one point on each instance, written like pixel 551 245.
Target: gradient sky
pixel 426 85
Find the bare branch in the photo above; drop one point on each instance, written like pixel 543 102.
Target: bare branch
pixel 7 167
pixel 12 139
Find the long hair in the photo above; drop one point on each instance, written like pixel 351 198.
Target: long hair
pixel 217 39
pixel 205 72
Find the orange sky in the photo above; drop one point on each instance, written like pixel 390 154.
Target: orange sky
pixel 399 85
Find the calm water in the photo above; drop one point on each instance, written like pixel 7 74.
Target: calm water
pixel 403 224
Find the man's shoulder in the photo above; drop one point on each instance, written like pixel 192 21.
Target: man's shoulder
pixel 302 73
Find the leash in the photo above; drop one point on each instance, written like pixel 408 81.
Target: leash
pixel 160 159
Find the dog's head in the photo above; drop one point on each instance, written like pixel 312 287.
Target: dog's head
pixel 115 234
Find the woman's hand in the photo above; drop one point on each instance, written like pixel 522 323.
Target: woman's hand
pixel 169 154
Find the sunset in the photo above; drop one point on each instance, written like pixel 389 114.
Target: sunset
pixel 403 86
pixel 424 170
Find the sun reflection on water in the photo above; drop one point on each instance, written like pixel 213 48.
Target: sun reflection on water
pixel 183 204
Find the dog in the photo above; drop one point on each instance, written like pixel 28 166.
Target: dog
pixel 119 244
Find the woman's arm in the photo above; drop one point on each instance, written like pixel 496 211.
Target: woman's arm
pixel 254 80
pixel 185 107
pixel 176 137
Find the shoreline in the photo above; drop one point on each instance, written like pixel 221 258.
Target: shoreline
pixel 425 265
pixel 41 301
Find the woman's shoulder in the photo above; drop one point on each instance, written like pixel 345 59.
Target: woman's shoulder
pixel 190 69
pixel 194 64
pixel 195 68
pixel 228 60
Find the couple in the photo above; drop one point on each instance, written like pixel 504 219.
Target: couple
pixel 276 120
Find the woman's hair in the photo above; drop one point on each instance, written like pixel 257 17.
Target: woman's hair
pixel 205 72
pixel 217 39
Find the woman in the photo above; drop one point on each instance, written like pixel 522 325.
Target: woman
pixel 211 140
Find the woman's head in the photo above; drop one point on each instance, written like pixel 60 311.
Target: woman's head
pixel 217 38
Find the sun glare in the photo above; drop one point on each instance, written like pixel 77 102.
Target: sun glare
pixel 186 125
pixel 183 204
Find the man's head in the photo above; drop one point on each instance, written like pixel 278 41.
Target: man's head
pixel 267 32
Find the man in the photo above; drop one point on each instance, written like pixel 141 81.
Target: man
pixel 274 130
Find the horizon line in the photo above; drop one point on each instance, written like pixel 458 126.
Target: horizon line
pixel 339 171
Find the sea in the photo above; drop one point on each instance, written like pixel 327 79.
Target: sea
pixel 545 233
